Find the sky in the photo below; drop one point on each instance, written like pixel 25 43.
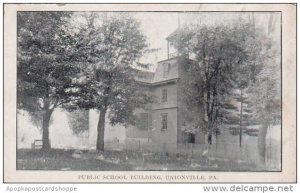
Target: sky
pixel 156 26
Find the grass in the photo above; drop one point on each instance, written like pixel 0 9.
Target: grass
pixel 72 160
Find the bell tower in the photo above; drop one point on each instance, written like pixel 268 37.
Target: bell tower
pixel 174 38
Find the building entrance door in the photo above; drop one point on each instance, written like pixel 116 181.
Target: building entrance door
pixel 191 138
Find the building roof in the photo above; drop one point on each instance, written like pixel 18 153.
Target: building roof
pixel 173 35
pixel 143 75
pixel 162 82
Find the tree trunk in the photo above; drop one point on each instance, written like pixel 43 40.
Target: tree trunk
pixel 210 132
pixel 45 137
pixel 241 118
pixel 208 112
pixel 100 131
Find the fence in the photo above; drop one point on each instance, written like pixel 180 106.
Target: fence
pixel 222 151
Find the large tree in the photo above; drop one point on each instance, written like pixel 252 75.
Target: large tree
pixel 219 51
pixel 109 46
pixel 44 65
pixel 265 94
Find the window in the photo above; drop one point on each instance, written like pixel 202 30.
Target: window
pixel 191 138
pixel 166 68
pixel 164 121
pixel 143 123
pixel 164 98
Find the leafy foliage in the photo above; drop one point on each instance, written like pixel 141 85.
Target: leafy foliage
pixel 44 65
pixel 45 69
pixel 108 50
pixel 78 121
pixel 228 57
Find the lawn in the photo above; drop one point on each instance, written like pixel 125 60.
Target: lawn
pixel 58 159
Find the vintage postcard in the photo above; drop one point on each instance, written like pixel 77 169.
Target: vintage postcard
pixel 152 93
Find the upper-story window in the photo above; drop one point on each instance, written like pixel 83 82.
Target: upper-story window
pixel 164 98
pixel 166 68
